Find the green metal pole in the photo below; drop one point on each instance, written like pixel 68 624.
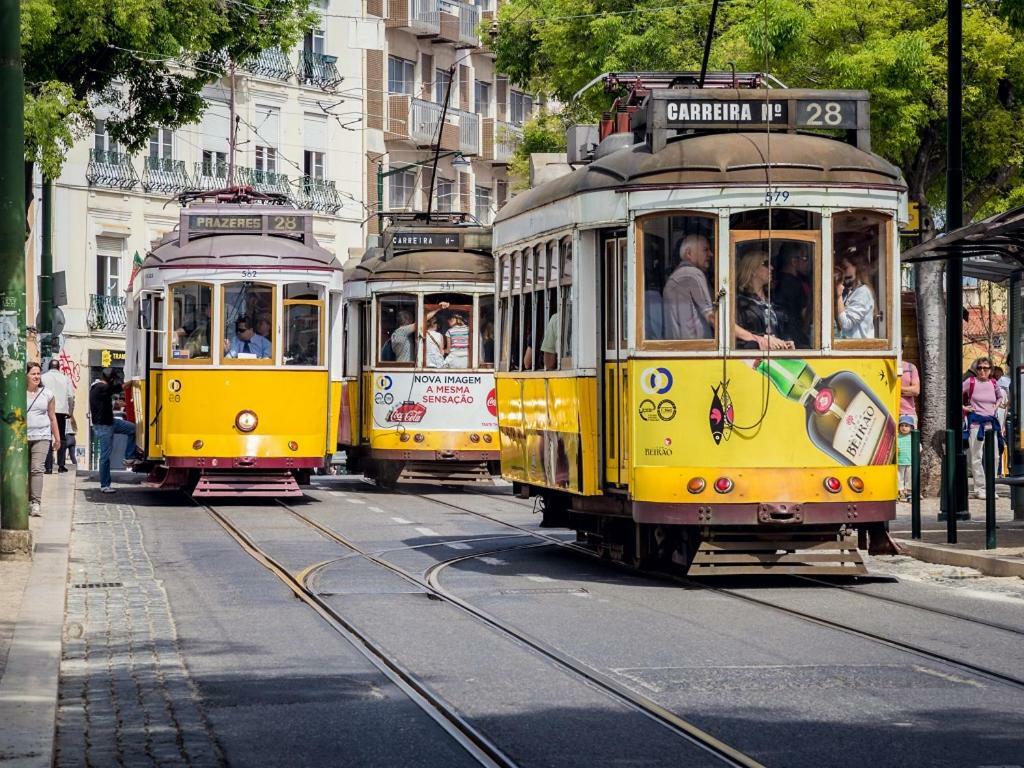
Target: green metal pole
pixel 45 329
pixel 915 484
pixel 13 442
pixel 953 438
pixel 380 187
pixel 990 489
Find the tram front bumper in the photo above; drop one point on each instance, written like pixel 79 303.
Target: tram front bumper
pixel 775 514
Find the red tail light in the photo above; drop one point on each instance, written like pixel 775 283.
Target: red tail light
pixel 832 485
pixel 723 485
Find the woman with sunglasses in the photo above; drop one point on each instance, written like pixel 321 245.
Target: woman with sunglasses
pixel 982 395
pixel 757 319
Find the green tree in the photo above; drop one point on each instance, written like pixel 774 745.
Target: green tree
pixel 543 133
pixel 147 59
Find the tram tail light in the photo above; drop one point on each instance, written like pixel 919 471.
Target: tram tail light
pixel 474 438
pixel 723 485
pixel 404 437
pixel 832 484
pixel 856 484
pixel 696 485
pixel 292 445
pixel 246 421
pixel 197 445
pixel 487 438
pixel 419 438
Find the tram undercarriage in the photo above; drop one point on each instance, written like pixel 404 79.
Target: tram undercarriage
pixel 609 526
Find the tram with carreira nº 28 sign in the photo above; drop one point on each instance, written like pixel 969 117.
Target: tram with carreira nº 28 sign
pixel 712 280
pixel 233 360
pixel 418 396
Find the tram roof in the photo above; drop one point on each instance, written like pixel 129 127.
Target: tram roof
pixel 718 159
pixel 470 266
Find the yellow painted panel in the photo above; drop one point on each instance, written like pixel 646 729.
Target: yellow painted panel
pixel 332 419
pixel 202 404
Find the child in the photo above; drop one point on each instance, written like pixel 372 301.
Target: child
pixel 903 455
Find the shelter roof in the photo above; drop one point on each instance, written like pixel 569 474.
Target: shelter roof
pixel 991 249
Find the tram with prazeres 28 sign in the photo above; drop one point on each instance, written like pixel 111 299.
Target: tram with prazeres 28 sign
pixel 234 331
pixel 713 290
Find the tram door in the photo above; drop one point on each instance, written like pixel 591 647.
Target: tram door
pixel 615 392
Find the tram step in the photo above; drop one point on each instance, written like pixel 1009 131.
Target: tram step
pixel 822 555
pixel 449 474
pixel 247 484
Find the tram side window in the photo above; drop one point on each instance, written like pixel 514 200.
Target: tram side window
pixel 448 320
pixel 680 277
pixel 486 343
pixel 564 341
pixel 396 324
pixel 776 276
pixel 859 288
pixel 191 322
pixel 303 328
pixel 157 333
pixel 249 322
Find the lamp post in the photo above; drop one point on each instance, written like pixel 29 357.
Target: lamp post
pixel 459 162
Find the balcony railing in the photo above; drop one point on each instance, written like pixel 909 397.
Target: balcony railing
pixel 469 132
pixel 210 175
pixel 107 313
pixel 161 174
pixel 469 22
pixel 110 169
pixel 422 125
pixel 271 63
pixel 424 16
pixel 318 69
pixel 500 140
pixel 263 181
pixel 317 195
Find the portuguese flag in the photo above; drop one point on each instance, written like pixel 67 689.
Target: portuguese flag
pixel 136 266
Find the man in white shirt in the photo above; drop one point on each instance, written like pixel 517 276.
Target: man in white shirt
pixel 58 384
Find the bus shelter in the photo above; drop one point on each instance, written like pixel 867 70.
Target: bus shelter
pixel 993 250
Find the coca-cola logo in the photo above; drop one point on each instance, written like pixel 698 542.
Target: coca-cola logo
pixel 408 413
pixel 492 403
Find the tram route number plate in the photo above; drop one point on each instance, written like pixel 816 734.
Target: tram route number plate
pixel 810 113
pixel 276 222
pixel 427 240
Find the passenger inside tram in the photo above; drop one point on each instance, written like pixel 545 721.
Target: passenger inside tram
pixel 860 244
pixel 403 338
pixel 855 300
pixel 793 291
pixel 686 300
pixel 247 344
pixel 759 323
pixel 191 322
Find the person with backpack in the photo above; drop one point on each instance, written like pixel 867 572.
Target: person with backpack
pixel 982 396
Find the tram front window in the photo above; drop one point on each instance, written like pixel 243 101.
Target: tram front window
pixel 397 329
pixel 858 289
pixel 191 305
pixel 449 320
pixel 679 277
pixel 249 322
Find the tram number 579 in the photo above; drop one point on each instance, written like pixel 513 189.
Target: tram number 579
pixel 776 196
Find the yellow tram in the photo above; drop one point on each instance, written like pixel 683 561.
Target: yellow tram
pixel 714 294
pixel 231 351
pixel 418 397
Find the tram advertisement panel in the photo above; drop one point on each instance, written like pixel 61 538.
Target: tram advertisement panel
pixel 431 400
pixel 778 412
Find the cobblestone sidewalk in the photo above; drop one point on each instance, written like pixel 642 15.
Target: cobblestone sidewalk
pixel 125 694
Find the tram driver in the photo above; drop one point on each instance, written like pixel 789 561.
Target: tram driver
pixel 687 308
pixel 247 343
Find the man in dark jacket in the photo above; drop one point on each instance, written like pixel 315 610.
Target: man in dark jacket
pixel 105 426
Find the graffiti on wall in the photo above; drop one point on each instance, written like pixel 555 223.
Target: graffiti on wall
pixel 69 368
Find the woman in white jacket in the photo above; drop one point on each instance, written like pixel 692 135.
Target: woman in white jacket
pixel 855 300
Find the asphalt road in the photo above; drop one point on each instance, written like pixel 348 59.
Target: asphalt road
pixel 280 687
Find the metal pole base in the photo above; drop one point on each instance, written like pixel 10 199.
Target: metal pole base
pixel 15 545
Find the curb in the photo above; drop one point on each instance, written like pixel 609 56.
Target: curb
pixel 29 688
pixel 990 565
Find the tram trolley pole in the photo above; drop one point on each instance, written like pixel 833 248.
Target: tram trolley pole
pixel 990 489
pixel 915 484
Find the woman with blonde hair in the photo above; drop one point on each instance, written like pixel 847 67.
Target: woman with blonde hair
pixel 757 320
pixel 41 420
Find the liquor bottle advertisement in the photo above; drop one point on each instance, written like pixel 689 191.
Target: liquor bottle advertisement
pixel 764 412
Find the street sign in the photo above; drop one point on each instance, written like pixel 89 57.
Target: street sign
pixel 57 320
pixel 913 226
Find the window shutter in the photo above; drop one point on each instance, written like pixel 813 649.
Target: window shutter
pixel 464 82
pixel 502 97
pixel 375 89
pixel 426 76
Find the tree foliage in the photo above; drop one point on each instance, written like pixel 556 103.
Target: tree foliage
pixel 147 59
pixel 896 49
pixel 543 133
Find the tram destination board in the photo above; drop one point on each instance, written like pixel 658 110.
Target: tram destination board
pixel 810 113
pixel 245 222
pixel 427 240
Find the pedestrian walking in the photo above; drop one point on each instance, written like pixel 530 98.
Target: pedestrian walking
pixel 910 389
pixel 70 429
pixel 101 409
pixel 57 383
pixel 903 455
pixel 41 422
pixel 982 396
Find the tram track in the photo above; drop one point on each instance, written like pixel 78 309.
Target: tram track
pixel 966 666
pixel 725 753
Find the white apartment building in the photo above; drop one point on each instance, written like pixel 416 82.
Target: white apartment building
pixel 292 138
pixel 432 49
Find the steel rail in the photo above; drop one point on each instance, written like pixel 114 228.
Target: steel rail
pixel 683 728
pixel 865 634
pixel 479 746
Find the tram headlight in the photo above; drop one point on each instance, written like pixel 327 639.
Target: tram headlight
pixel 246 421
pixel 832 484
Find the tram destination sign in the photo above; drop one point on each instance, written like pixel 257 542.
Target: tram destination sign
pixel 232 222
pixel 808 113
pixel 427 240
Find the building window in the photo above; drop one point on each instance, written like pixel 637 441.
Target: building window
pixel 445 194
pixel 101 139
pixel 266 159
pixel 313 164
pixel 482 98
pixel 483 205
pixel 161 144
pixel 109 252
pixel 267 135
pixel 215 163
pixel 401 76
pixel 442 80
pixel 520 107
pixel 401 188
pixel 313 41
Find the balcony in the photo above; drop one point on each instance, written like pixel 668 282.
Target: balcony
pixel 108 168
pixel 267 182
pixel 161 174
pixel 210 175
pixel 469 22
pixel 318 69
pixel 317 195
pixel 469 131
pixel 420 17
pixel 271 63
pixel 107 313
pixel 500 140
